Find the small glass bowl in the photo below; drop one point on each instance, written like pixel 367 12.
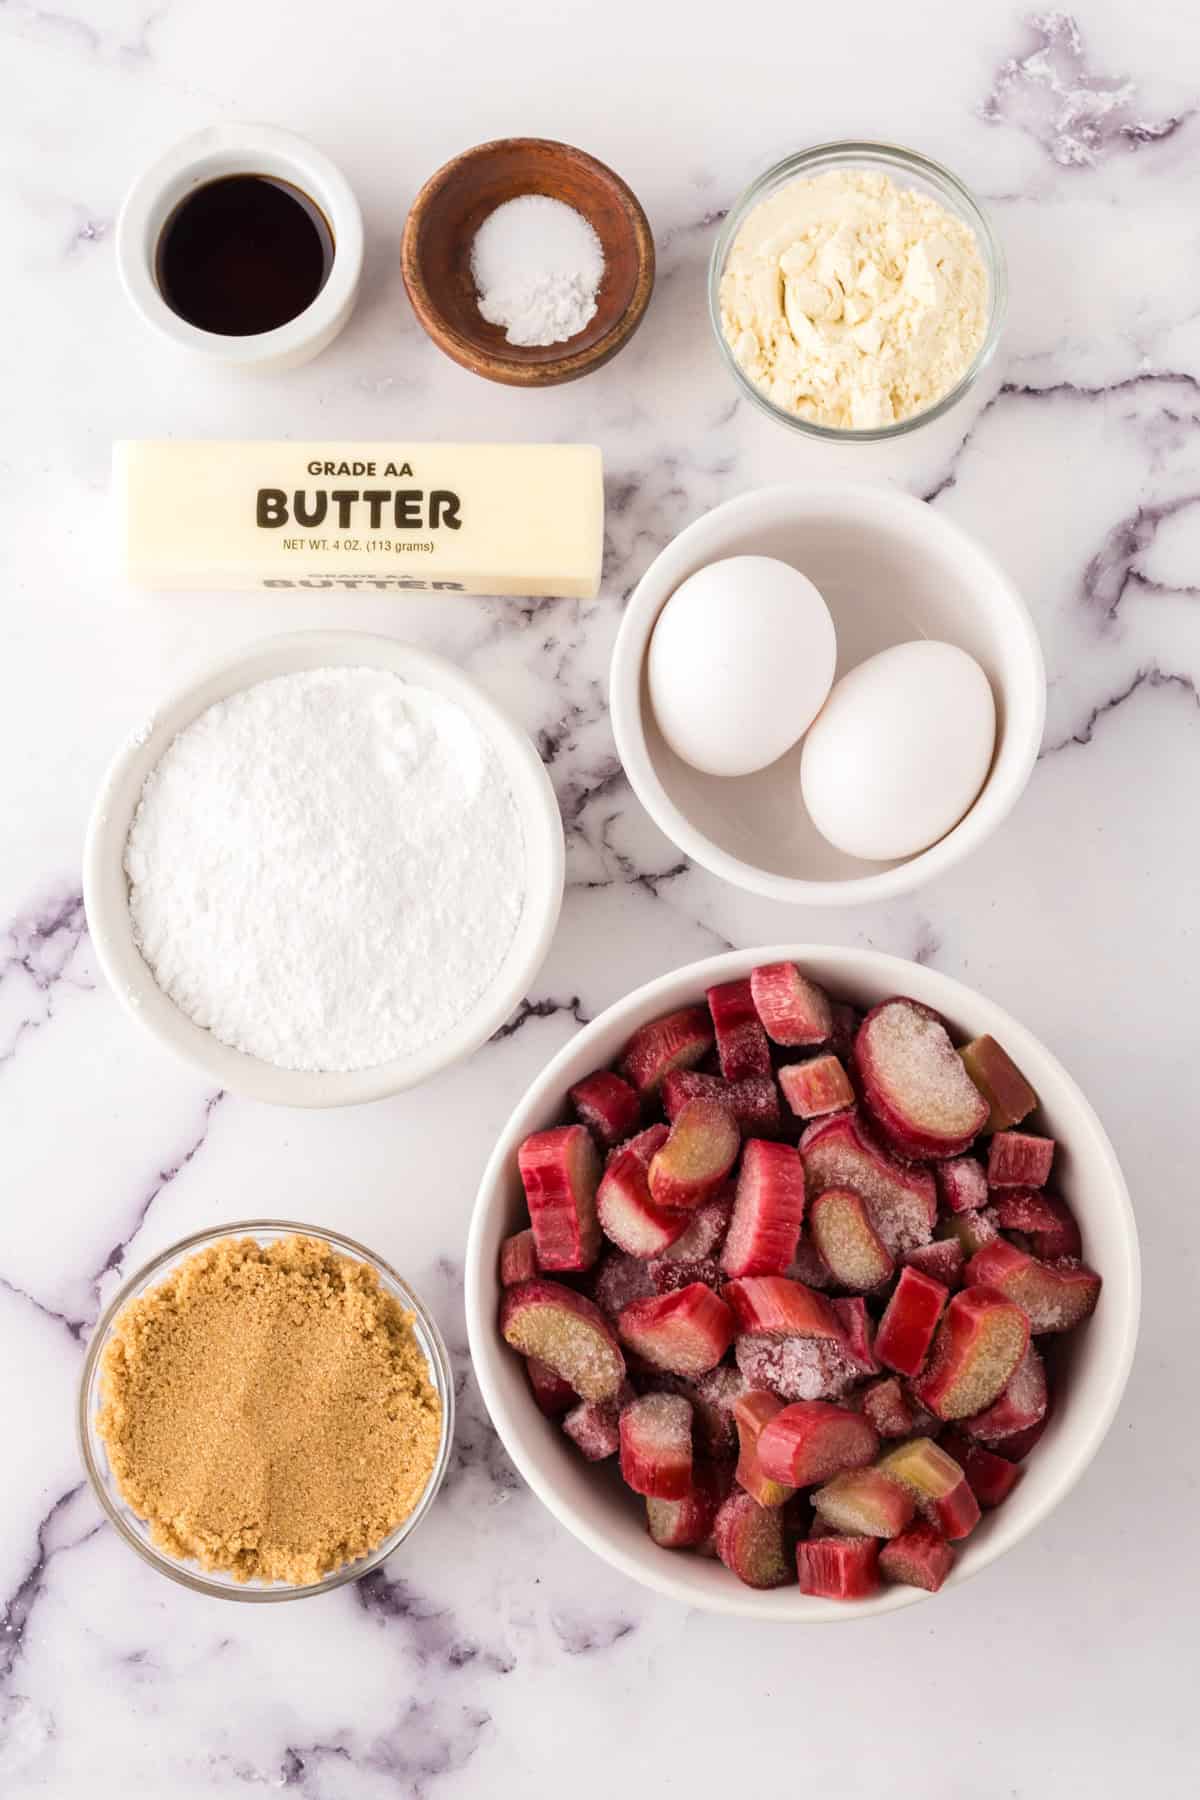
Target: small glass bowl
pixel 136 1532
pixel 909 169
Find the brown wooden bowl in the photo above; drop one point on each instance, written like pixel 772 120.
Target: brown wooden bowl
pixel 435 257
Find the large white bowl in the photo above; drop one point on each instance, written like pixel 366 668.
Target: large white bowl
pixel 891 568
pixel 106 890
pixel 1091 1364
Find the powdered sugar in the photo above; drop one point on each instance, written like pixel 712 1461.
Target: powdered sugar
pixel 327 869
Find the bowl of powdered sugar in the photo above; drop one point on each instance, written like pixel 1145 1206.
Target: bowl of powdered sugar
pixel 326 871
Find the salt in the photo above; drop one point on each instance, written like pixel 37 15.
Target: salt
pixel 537 265
pixel 326 870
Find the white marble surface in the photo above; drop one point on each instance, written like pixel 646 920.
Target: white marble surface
pixel 496 1656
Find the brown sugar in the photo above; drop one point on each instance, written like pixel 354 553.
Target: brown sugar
pixel 267 1409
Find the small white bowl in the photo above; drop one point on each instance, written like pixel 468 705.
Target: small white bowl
pixel 209 155
pixel 890 569
pixel 1091 1365
pixel 106 889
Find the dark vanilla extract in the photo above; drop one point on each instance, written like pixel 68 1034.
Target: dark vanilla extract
pixel 243 255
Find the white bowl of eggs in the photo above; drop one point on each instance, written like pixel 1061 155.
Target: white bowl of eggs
pixel 827 694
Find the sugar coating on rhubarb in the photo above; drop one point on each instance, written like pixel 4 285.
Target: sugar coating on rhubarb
pixel 567 1332
pixel 797 1368
pixel 905 1051
pixel 837 1152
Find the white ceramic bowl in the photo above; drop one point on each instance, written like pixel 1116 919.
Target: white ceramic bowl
pixel 105 887
pixel 210 155
pixel 1091 1364
pixel 891 568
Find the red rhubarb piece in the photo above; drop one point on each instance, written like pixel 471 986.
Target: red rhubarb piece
pixel 751 1412
pixel 846 1020
pixel 618 1280
pixel 518 1259
pixel 838 1568
pixel 815 1088
pixel 767 1211
pixel 811 1441
pixel 865 1502
pixel 592 1425
pixel 961 1184
pixel 980 1341
pixel 608 1106
pixel 566 1331
pixel 909 1321
pixel 942 1261
pixel 808 1266
pixel 991 1477
pixel 841 1152
pixel 797 1368
pixel 560 1171
pixel 842 1231
pixel 741 1041
pixel 554 1395
pixel 919 1557
pixel 969 1230
pixel 914 1083
pixel 628 1215
pixel 1045 1220
pixel 643 1145
pixel 713 1397
pixel 858 1333
pixel 671 1273
pixel 687 1332
pixel 679 1041
pixel 700 1151
pixel 1009 1096
pixel 656 1446
pixel 779 1307
pixel 1022 1404
pixel 937 1484
pixel 753 1101
pixel 1018 1446
pixel 1055 1296
pixel 793 1010
pixel 683 1524
pixel 705 1231
pixel 1018 1159
pixel 886 1405
pixel 750 1541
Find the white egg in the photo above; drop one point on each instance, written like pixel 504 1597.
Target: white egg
pixel 900 751
pixel 740 663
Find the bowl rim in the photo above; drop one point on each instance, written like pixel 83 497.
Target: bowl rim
pixel 105 889
pixel 857 152
pixel 191 1575
pixel 495 363
pixel 991 805
pixel 549 1085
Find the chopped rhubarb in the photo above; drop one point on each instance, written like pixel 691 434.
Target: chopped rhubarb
pixel 779 1307
pixel 741 1041
pixel 962 1184
pixel 970 1231
pixel 679 1041
pixel 713 1397
pixel 980 1341
pixel 751 1412
pixel 560 1171
pixel 841 1152
pixel 816 1088
pixel 838 1568
pixel 858 1333
pixel 797 1368
pixel 700 1151
pixel 808 1266
pixel 909 1321
pixel 991 1477
pixel 705 1231
pixel 1018 1159
pixel 643 1145
pixel 753 1101
pixel 628 1215
pixel 1022 1404
pixel 793 1010
pixel 667 1273
pixel 687 1332
pixel 843 1233
pixel 1055 1296
pixel 608 1106
pixel 919 1557
pixel 810 1441
pixel 618 1280
pixel 592 1425
pixel 567 1332
pixel 518 1259
pixel 914 1083
pixel 886 1405
pixel 656 1446
pixel 865 1501
pixel 1009 1096
pixel 1046 1221
pixel 750 1541
pixel 937 1484
pixel 685 1523
pixel 1018 1446
pixel 845 1021
pixel 942 1261
pixel 767 1211
pixel 553 1395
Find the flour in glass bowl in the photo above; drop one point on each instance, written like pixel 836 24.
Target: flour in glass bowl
pixel 327 869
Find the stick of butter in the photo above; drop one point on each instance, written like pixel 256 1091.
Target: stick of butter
pixel 522 519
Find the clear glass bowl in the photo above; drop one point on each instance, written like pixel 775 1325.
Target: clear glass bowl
pixel 908 169
pixel 136 1532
